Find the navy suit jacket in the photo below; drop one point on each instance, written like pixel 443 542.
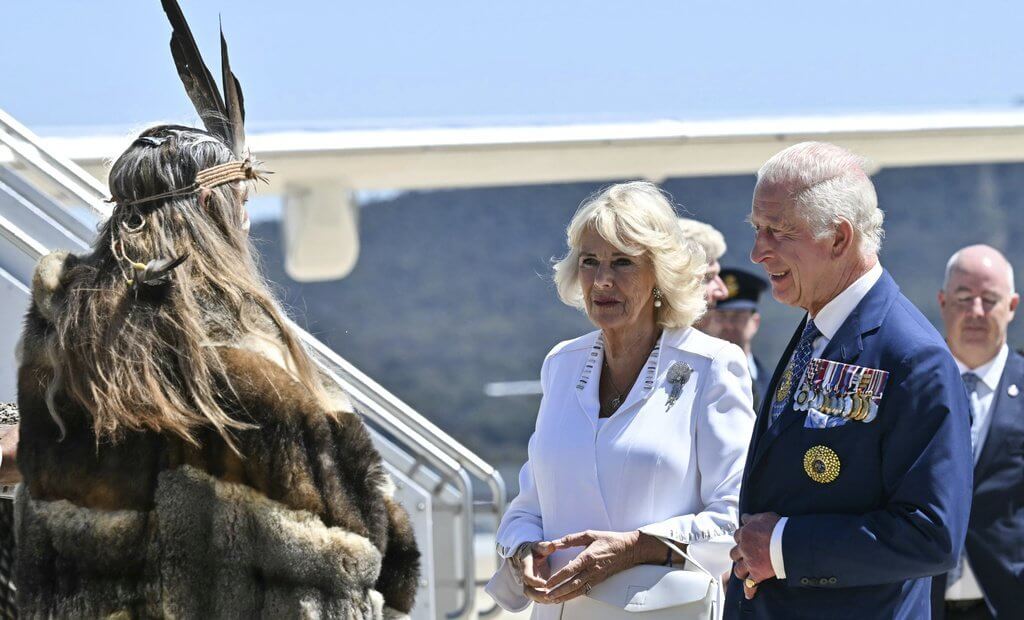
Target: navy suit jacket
pixel 866 544
pixel 760 386
pixel 995 534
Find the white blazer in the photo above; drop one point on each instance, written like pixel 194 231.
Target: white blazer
pixel 671 469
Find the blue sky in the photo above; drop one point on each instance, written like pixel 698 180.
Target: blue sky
pixel 71 66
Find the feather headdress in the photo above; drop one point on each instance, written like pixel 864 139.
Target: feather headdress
pixel 224 116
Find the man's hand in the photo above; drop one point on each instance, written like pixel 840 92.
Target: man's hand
pixel 752 553
pixel 9 473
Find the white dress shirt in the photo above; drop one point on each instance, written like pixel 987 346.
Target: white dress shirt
pixel 666 467
pixel 828 321
pixel 989 375
pixel 752 365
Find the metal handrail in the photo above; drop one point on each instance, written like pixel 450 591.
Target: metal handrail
pixel 399 409
pixel 69 175
pixel 24 242
pixel 457 475
pixel 387 410
pixel 424 427
pixel 44 205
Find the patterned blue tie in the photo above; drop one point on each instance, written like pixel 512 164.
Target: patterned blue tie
pixel 795 370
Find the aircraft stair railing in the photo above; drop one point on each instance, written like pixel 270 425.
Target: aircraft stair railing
pixel 48 203
pixel 392 415
pixel 70 177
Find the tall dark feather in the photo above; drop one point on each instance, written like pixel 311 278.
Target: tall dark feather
pixel 196 76
pixel 233 98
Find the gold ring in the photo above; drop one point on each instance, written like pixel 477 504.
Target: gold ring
pixel 750 583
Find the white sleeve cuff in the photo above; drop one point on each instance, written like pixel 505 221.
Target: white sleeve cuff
pixel 775 549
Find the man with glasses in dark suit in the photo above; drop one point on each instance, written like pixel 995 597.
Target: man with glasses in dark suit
pixel 978 301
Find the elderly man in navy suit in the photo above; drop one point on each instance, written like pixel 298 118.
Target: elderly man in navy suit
pixel 978 302
pixel 857 485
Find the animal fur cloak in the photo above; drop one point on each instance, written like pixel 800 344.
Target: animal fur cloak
pixel 300 525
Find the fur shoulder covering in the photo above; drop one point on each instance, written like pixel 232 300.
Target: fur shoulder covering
pixel 300 524
pixel 48 280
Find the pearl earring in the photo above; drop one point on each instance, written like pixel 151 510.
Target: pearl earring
pixel 657 297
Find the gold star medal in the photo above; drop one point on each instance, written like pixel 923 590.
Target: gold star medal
pixel 821 464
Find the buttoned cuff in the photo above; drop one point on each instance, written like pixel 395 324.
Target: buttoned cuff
pixel 775 549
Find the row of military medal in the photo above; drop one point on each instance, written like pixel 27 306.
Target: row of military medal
pixel 841 390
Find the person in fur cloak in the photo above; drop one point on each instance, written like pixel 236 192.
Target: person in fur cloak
pixel 181 455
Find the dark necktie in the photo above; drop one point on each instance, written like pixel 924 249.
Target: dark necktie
pixel 794 372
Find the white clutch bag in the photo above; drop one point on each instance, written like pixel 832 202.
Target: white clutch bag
pixel 649 592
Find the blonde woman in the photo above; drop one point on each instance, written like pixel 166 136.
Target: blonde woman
pixel 644 423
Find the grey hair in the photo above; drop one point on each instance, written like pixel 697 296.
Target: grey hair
pixel 638 219
pixel 705 235
pixel 829 184
pixel 954 260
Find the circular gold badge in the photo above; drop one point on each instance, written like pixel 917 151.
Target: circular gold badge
pixel 821 464
pixel 802 397
pixel 732 284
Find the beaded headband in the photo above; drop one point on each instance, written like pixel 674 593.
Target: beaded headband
pixel 206 179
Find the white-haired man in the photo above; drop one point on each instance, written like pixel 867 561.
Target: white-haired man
pixel 713 243
pixel 978 302
pixel 858 478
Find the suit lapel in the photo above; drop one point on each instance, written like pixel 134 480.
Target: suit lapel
pixel 761 438
pixel 1006 413
pixel 589 376
pixel 844 347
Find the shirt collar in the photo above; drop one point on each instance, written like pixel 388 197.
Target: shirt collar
pixel 991 371
pixel 830 318
pixel 596 358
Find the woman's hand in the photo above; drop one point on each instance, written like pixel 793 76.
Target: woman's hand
pixel 606 553
pixel 533 567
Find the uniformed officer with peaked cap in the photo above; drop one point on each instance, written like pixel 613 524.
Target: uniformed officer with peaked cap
pixel 736 319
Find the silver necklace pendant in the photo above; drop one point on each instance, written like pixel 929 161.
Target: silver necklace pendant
pixel 616 402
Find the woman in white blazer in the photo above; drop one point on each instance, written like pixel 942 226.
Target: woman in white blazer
pixel 644 424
